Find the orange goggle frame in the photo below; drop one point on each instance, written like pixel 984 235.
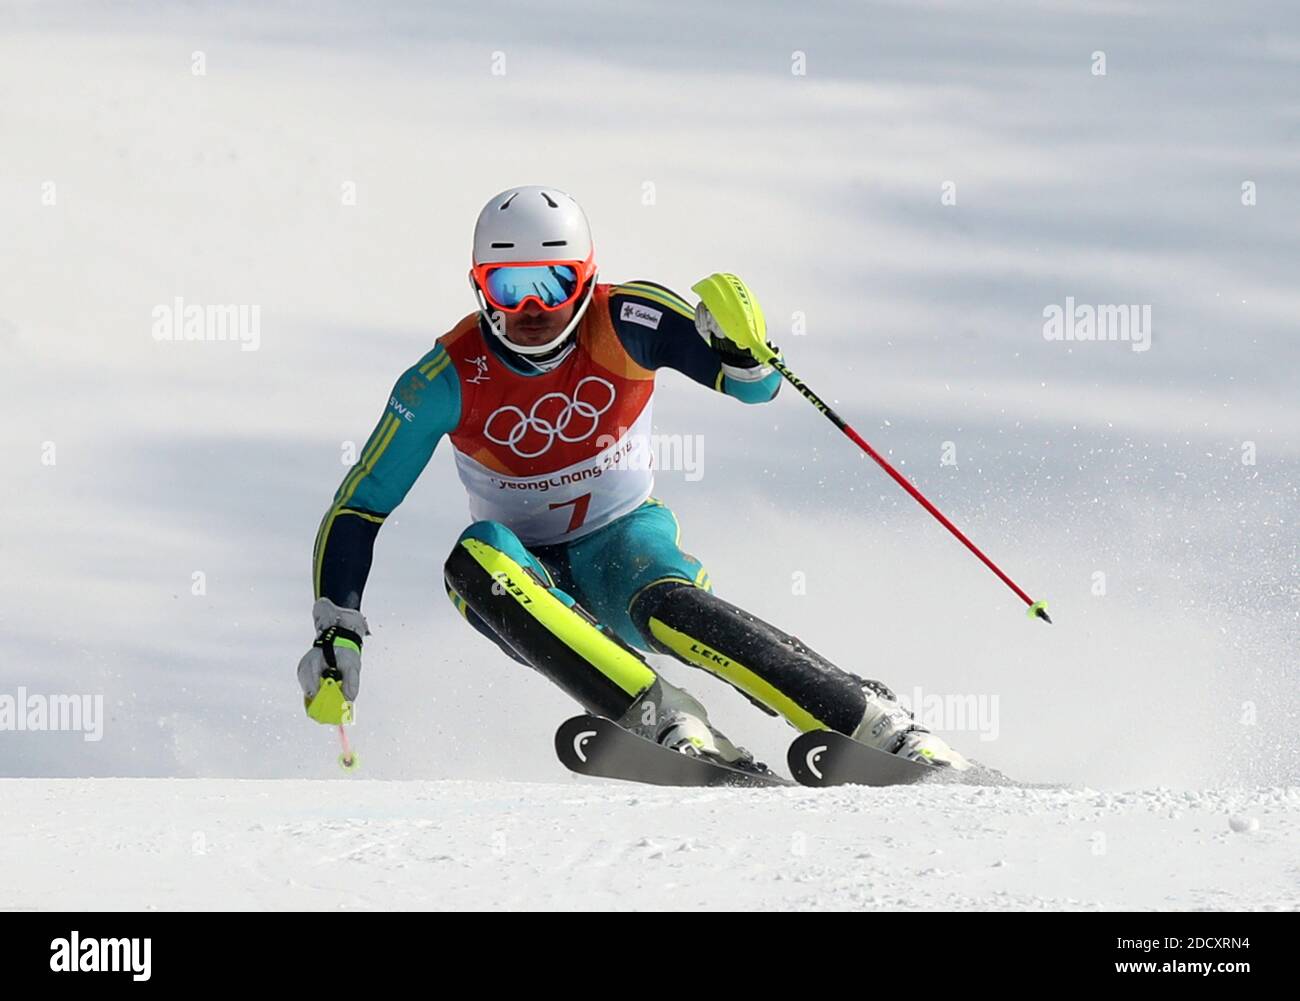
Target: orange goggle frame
pixel 508 285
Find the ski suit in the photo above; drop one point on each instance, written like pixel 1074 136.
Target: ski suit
pixel 569 562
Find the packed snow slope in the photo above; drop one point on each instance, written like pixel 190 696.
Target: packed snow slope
pixel 253 844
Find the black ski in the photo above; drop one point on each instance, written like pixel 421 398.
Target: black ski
pixel 827 758
pixel 594 745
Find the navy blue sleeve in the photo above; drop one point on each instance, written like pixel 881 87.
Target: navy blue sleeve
pixel 657 328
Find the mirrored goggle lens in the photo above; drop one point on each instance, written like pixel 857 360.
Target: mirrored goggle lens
pixel 552 284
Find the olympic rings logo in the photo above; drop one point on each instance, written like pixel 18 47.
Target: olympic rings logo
pixel 550 420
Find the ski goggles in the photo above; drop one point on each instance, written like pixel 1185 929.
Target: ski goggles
pixel 551 284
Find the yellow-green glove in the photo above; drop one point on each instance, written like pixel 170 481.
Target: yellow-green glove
pixel 330 672
pixel 728 309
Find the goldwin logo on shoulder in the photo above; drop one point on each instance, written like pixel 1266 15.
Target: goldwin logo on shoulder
pixel 644 315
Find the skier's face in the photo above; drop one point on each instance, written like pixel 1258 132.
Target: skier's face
pixel 533 325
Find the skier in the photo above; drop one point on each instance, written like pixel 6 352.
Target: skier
pixel 570 565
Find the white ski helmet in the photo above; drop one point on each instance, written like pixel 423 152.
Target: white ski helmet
pixel 532 227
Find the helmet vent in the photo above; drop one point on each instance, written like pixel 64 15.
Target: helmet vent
pixel 552 243
pixel 501 246
pixel 550 201
pixel 506 203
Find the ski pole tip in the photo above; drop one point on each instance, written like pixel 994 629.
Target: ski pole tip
pixel 348 760
pixel 1038 610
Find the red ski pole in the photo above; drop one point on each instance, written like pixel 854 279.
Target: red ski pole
pixel 1037 609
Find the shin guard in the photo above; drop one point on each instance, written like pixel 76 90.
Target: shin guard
pixel 771 668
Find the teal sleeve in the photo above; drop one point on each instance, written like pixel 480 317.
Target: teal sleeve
pixel 759 390
pixel 424 405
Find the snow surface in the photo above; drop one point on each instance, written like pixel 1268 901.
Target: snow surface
pixel 366 844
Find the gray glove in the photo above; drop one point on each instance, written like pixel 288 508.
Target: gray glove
pixel 337 650
pixel 736 361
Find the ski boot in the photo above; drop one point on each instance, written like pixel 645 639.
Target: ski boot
pixel 888 727
pixel 675 719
